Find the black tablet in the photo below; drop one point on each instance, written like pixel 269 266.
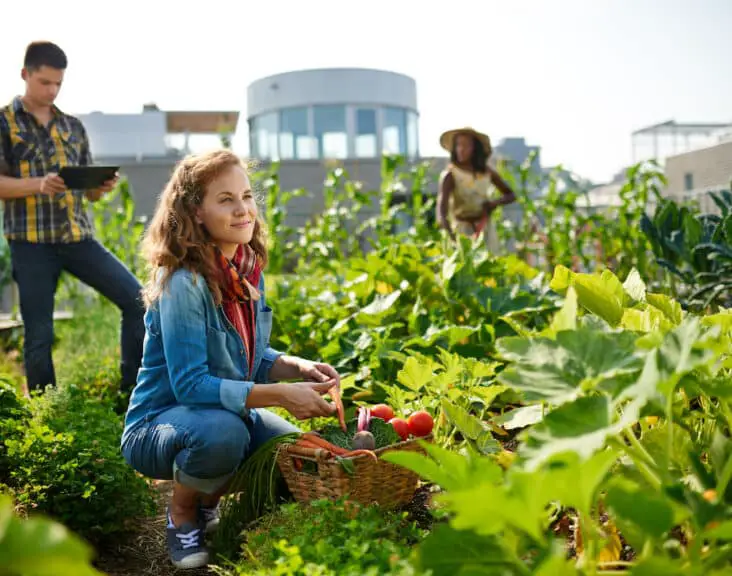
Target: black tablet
pixel 87 177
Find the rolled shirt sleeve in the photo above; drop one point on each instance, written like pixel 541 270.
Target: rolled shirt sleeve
pixel 184 336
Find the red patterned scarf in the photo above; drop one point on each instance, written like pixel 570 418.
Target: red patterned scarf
pixel 239 293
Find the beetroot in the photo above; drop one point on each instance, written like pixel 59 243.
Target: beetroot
pixel 363 441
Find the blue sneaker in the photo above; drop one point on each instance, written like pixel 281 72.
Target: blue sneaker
pixel 210 518
pixel 185 546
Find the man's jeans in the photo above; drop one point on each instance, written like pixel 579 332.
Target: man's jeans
pixel 37 268
pixel 199 447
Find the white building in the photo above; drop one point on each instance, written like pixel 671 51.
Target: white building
pixel 338 113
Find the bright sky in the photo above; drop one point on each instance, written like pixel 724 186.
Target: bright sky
pixel 575 77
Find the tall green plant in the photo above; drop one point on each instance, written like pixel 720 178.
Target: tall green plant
pixel 119 228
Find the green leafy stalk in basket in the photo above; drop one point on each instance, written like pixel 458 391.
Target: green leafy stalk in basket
pixel 383 432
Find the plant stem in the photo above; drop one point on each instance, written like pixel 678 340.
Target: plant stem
pixel 639 447
pixel 639 461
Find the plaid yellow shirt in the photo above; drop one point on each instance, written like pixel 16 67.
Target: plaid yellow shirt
pixel 27 150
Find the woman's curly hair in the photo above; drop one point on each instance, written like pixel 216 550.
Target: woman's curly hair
pixel 176 240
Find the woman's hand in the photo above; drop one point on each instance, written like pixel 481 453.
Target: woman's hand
pixel 318 372
pixel 304 399
pixel 295 368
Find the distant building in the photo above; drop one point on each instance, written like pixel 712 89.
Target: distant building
pixel 338 113
pixel 670 138
pixel 306 120
pixel 695 173
pixel 696 157
pixel 516 150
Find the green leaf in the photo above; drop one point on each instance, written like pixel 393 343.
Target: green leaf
pixel 660 566
pixel 521 417
pixel 519 501
pixel 450 552
pixel 721 532
pixel 581 426
pixel 645 321
pixel 380 305
pixel 452 334
pixel 449 266
pixel 576 481
pixel 602 294
pixel 468 425
pixel 40 546
pixel 645 508
pixel 566 317
pixel 557 566
pixel 415 375
pixel 487 394
pixel 634 286
pixel 561 280
pixel 671 309
pixel 450 470
pixel 557 371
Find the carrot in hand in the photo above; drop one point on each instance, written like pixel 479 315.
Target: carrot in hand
pixel 335 393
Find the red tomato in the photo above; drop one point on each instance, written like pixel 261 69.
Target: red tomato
pixel 382 411
pixel 401 427
pixel 420 423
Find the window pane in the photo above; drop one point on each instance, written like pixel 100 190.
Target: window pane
pixel 264 138
pixel 365 121
pixel 395 131
pixel 412 135
pixel 366 133
pixel 330 131
pixel 366 146
pixel 294 139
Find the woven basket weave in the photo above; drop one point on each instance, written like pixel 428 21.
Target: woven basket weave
pixel 380 482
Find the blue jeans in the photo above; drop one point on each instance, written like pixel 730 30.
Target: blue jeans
pixel 37 268
pixel 200 448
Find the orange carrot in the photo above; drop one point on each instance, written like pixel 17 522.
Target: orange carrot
pixel 312 438
pixel 335 393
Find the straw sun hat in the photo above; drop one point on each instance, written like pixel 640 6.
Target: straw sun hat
pixel 448 138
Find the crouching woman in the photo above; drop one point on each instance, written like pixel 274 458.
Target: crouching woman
pixel 208 373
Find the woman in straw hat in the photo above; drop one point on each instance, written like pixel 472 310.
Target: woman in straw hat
pixel 469 189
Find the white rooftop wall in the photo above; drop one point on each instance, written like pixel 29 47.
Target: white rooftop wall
pixel 331 86
pixel 126 135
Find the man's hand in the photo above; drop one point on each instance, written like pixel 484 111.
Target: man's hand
pixel 108 186
pixel 52 184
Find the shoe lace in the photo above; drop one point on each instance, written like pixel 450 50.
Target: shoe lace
pixel 189 540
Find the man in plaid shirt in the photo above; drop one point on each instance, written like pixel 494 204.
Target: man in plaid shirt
pixel 46 225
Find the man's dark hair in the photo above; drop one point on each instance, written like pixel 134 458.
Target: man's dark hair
pixel 44 54
pixel 479 159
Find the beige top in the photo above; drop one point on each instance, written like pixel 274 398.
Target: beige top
pixel 471 191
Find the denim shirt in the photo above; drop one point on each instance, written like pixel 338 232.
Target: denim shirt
pixel 193 356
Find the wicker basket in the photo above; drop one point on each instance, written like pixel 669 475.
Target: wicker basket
pixel 380 482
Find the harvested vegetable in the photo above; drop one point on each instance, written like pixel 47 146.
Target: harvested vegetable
pixel 383 433
pixel 313 440
pixel 364 441
pixel 401 427
pixel 335 394
pixel 382 411
pixel 364 417
pixel 420 423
